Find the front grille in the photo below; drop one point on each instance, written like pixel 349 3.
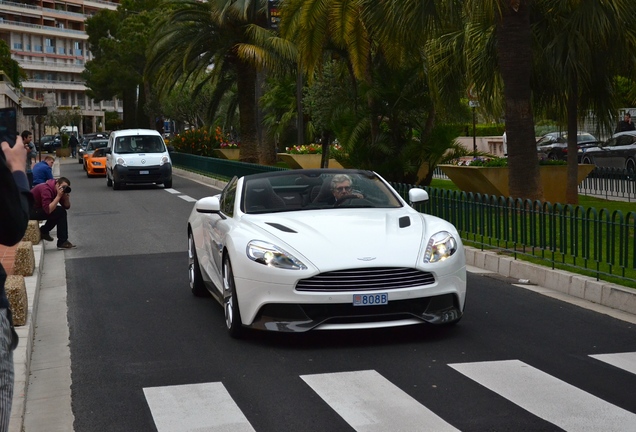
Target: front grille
pixel 366 279
pixel 154 174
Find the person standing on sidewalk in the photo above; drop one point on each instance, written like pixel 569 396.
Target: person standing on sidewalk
pixel 15 204
pixel 73 143
pixel 46 197
pixel 27 139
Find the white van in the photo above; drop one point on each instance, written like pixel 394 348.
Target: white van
pixel 137 156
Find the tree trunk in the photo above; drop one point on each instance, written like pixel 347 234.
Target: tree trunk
pixel 571 190
pixel 129 102
pixel 246 81
pixel 514 53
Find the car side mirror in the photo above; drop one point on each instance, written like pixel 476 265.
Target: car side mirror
pixel 108 150
pixel 208 205
pixel 418 195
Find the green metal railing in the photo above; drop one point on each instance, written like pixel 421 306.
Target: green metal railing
pixel 595 242
pixel 598 243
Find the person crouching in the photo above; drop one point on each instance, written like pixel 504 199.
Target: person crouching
pixel 46 197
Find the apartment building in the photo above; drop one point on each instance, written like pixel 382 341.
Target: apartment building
pixel 48 39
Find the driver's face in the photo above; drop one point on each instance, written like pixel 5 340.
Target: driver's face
pixel 342 189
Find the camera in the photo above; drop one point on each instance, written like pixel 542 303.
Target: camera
pixel 66 189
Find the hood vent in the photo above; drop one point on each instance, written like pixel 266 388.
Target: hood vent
pixel 405 221
pixel 281 227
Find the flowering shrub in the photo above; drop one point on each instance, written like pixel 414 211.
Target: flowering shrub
pixel 195 141
pixel 312 149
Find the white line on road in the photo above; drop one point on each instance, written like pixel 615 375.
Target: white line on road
pixel 547 397
pixel 195 407
pixel 625 361
pixel 183 197
pixel 369 402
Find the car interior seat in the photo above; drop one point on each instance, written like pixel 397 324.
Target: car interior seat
pixel 260 196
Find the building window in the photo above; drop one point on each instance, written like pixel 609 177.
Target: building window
pixel 61 50
pixel 17 45
pixel 38 48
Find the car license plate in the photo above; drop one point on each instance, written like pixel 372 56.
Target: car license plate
pixel 370 299
pixel 144 172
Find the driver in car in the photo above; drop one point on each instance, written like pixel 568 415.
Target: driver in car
pixel 341 188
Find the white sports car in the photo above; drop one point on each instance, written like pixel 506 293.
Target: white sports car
pixel 303 250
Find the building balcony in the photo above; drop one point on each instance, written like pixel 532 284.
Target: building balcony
pixel 51 85
pixel 42 30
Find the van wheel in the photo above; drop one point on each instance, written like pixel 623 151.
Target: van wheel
pixel 167 184
pixel 109 182
pixel 116 185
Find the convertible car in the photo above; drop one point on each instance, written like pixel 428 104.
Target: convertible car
pixel 300 250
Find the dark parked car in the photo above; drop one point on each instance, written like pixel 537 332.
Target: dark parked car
pixel 554 145
pixel 618 152
pixel 49 143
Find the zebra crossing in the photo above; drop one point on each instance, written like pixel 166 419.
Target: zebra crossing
pixel 369 402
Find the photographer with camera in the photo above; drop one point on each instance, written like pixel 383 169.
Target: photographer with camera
pixel 51 200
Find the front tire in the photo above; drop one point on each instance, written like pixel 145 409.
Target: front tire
pixel 167 184
pixel 194 271
pixel 109 182
pixel 233 322
pixel 587 161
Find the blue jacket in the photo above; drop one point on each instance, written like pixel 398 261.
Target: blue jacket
pixel 41 173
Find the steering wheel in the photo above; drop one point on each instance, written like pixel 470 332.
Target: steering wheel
pixel 347 197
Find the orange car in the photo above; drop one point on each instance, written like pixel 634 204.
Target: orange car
pixel 95 163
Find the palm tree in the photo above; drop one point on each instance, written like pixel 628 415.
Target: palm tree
pixel 579 59
pixel 202 40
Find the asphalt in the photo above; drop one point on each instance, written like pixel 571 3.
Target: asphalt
pixel 42 393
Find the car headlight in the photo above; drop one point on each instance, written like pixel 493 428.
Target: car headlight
pixel 441 246
pixel 96 163
pixel 270 255
pixel 164 160
pixel 121 161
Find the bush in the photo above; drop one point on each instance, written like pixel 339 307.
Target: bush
pixel 195 141
pixel 503 162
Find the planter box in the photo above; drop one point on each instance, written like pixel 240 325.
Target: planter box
pixel 63 152
pixel 306 161
pixel 494 181
pixel 232 154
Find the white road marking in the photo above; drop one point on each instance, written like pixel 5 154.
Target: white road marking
pixel 369 402
pixel 547 397
pixel 183 197
pixel 625 361
pixel 195 407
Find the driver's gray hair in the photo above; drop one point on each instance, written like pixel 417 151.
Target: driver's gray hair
pixel 339 178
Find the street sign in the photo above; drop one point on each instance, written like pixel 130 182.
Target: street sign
pixel 34 111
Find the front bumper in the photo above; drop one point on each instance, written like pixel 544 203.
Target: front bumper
pixel 268 306
pixel 142 174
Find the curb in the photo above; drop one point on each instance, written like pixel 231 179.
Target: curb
pixel 583 287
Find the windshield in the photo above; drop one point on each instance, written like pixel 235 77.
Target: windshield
pixel 139 144
pixel 95 144
pixel 298 191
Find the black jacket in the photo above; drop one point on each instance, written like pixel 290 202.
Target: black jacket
pixel 15 203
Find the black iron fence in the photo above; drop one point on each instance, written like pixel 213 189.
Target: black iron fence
pixel 599 243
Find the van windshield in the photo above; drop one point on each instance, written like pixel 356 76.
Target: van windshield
pixel 139 144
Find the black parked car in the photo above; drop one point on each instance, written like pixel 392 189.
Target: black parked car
pixel 618 152
pixel 49 143
pixel 554 145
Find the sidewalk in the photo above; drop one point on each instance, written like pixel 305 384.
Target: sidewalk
pixel 42 393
